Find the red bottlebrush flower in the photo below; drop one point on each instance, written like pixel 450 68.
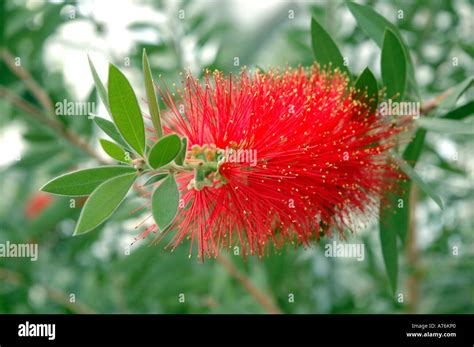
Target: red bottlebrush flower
pixel 36 204
pixel 289 155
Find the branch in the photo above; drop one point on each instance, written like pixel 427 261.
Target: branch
pixel 63 299
pixel 430 105
pixel 51 123
pixel 262 298
pixel 75 140
pixel 55 295
pixel 30 83
pixel 412 281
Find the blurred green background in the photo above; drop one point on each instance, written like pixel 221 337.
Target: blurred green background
pixel 95 273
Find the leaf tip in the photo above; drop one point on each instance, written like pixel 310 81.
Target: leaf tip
pixel 78 232
pixel 43 188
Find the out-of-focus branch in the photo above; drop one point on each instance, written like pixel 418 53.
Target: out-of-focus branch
pixel 74 139
pixel 44 117
pixel 35 89
pixel 30 109
pixel 51 123
pixel 412 281
pixel 56 126
pixel 262 298
pixel 430 105
pixel 55 295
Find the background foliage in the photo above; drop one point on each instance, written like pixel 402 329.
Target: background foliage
pixel 52 40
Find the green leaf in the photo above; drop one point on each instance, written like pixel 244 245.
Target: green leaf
pixel 85 128
pixel 83 182
pixel 393 66
pixel 3 22
pixel 37 155
pixel 395 214
pixel 164 151
pixel 103 201
pixel 182 153
pixel 414 148
pixel 151 96
pixel 260 69
pixel 410 172
pixel 374 25
pixel 461 112
pixel 448 126
pixel 99 85
pixel 115 151
pixel 155 178
pixel 444 164
pixel 110 129
pixel 400 218
pixel 388 240
pixel 468 48
pixel 458 91
pixel 165 202
pixel 324 48
pixel 125 110
pixel 367 85
pixel 38 137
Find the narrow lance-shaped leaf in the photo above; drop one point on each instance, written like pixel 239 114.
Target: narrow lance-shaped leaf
pixel 154 179
pixel 393 66
pixel 182 153
pixel 395 213
pixel 36 136
pixel 125 110
pixel 165 202
pixel 413 151
pixel 388 240
pixel 325 49
pixel 461 112
pixel 374 25
pixel 99 85
pixel 85 128
pixel 466 47
pixel 83 182
pixel 444 164
pixel 446 126
pixel 151 96
pixel 367 85
pixel 115 151
pixel 3 21
pixel 37 155
pixel 110 129
pixel 457 92
pixel 410 172
pixel 164 151
pixel 103 201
